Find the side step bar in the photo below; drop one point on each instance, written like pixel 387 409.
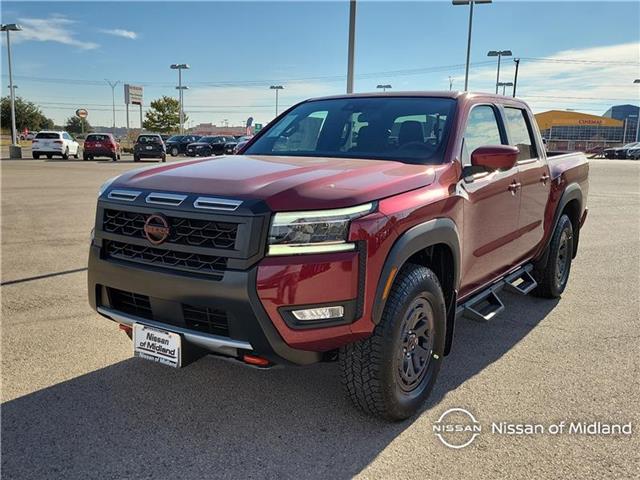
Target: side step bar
pixel 487 304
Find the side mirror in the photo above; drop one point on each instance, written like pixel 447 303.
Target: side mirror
pixel 495 157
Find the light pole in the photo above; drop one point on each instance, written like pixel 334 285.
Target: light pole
pixel 499 54
pixel 384 87
pixel 515 77
pixel 470 3
pixel 504 85
pixel 15 150
pixel 113 86
pixel 450 83
pixel 352 45
pixel 180 88
pixel 276 88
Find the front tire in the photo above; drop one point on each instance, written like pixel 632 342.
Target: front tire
pixel 174 152
pixel 36 156
pixel 136 158
pixel 163 158
pixel 553 277
pixel 391 373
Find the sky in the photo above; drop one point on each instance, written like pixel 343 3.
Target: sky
pixel 575 55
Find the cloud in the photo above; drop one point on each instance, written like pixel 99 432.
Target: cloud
pixel 56 28
pixel 568 79
pixel 119 32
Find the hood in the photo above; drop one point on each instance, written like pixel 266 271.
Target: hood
pixel 284 183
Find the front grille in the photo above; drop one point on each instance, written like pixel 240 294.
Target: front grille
pixel 206 319
pixel 183 231
pixel 191 262
pixel 131 303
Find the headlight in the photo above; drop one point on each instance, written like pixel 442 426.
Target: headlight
pixel 105 185
pixel 319 231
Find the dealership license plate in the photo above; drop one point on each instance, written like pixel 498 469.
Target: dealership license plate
pixel 157 345
pixel 149 147
pixel 98 145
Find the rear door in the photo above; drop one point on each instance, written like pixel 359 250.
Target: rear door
pixel 491 208
pixel 533 175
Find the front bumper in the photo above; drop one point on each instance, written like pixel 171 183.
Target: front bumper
pixel 250 328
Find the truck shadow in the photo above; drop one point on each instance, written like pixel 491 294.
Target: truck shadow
pixel 216 419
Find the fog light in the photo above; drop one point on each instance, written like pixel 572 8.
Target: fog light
pixel 322 313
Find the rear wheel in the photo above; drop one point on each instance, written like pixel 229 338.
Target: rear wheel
pixel 49 156
pixel 164 157
pixel 65 155
pixel 77 154
pixel 391 373
pixel 36 156
pixel 552 278
pixel 136 158
pixel 174 152
pixel 85 157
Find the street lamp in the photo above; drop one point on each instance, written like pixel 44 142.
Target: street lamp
pixel 352 45
pixel 276 88
pixel 15 150
pixel 504 85
pixel 180 88
pixel 384 87
pixel 499 54
pixel 470 3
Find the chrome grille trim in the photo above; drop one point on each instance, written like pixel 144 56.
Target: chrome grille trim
pixel 212 203
pixel 165 199
pixel 126 195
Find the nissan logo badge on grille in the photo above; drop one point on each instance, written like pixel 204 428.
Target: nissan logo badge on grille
pixel 156 228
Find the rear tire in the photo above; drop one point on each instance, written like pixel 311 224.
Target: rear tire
pixel 136 158
pixel 553 277
pixel 85 157
pixel 49 156
pixel 164 157
pixel 77 154
pixel 174 152
pixel 65 155
pixel 36 156
pixel 391 373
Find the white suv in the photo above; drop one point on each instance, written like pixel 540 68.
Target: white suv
pixel 54 143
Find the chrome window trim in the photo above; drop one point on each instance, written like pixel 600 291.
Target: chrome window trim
pixel 224 204
pixel 165 199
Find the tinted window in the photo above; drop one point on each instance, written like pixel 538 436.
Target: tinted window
pixel 48 135
pixel 97 138
pixel 389 128
pixel 149 139
pixel 175 138
pixel 482 129
pixel 519 133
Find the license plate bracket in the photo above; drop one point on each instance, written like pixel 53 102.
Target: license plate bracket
pixel 157 345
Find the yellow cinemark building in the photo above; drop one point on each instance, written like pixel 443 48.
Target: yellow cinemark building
pixel 576 126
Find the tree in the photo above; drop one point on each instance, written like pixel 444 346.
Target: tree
pixel 28 115
pixel 163 116
pixel 76 124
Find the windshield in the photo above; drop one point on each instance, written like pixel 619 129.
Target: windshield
pixel 407 129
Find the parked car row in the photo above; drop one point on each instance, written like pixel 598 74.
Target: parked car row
pixel 629 151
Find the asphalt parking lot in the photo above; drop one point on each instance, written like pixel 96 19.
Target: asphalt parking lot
pixel 76 405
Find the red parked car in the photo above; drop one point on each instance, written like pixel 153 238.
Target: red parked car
pixel 101 145
pixel 355 228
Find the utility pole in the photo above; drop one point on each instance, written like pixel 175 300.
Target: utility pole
pixel 515 78
pixel 113 86
pixel 450 83
pixel 352 45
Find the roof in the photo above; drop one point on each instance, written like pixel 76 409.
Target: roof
pixel 421 93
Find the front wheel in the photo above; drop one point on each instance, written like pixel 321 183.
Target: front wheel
pixel 136 158
pixel 174 152
pixel 36 156
pixel 552 277
pixel 164 157
pixel 391 373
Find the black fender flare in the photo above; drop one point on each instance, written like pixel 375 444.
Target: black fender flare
pixel 571 192
pixel 419 237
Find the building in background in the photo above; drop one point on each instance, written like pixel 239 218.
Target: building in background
pixel 570 131
pixel 627 114
pixel 205 129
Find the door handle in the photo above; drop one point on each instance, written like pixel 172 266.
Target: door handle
pixel 513 187
pixel 544 178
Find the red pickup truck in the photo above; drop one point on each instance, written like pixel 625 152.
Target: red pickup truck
pixel 355 228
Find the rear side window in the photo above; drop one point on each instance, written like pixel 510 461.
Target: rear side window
pixel 48 135
pixel 520 133
pixel 482 129
pixel 97 138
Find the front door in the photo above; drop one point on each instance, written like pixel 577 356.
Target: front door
pixel 491 207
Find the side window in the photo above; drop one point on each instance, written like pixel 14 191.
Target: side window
pixel 66 136
pixel 520 133
pixel 482 129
